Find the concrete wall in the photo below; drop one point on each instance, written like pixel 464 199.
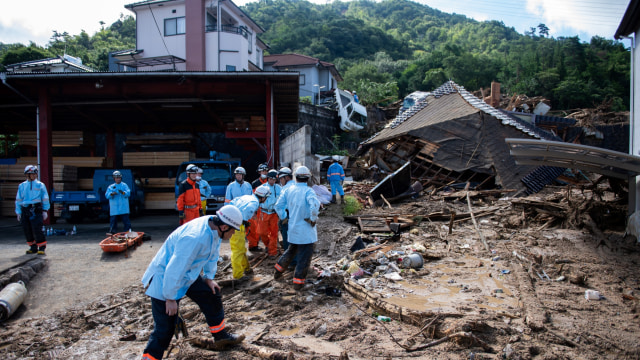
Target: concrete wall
pixel 295 150
pixel 323 123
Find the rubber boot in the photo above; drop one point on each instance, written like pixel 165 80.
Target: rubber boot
pixel 333 199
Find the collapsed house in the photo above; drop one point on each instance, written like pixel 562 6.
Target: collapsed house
pixel 452 137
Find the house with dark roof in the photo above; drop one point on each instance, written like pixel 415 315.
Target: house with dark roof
pixel 65 63
pixel 316 77
pixel 453 137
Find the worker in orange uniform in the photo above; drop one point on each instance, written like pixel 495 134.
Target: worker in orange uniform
pixel 267 219
pixel 189 204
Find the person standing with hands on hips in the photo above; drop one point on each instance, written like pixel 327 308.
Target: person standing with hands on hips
pixel 335 175
pixel 118 195
pixel 186 264
pixel 32 203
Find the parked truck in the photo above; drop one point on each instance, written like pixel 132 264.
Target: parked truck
pixel 218 173
pixel 76 205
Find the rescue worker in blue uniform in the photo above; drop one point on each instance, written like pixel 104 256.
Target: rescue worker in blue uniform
pixel 189 251
pixel 238 187
pixel 32 203
pixel 335 175
pixel 303 209
pixel 205 191
pixel 118 195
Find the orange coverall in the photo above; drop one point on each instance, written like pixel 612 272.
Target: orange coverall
pixel 189 200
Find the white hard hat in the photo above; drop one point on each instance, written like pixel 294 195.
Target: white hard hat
pixel 302 172
pixel 284 171
pixel 230 215
pixel 117 174
pixel 192 169
pixel 262 191
pixel 31 169
pixel 240 170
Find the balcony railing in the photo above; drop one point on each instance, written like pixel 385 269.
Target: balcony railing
pixel 229 29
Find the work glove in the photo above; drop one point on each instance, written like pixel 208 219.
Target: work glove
pixel 181 327
pixel 181 215
pixel 45 216
pixel 285 221
pixel 312 223
pixel 121 192
pixel 113 194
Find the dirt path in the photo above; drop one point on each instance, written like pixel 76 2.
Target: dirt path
pixel 491 304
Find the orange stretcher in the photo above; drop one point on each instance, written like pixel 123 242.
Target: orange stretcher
pixel 120 242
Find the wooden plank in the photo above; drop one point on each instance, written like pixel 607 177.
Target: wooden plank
pixel 159 182
pixel 166 158
pixel 159 201
pixel 61 173
pixel 373 225
pixel 78 161
pixel 58 138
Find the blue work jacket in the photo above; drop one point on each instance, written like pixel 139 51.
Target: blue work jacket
pixel 189 250
pixel 30 193
pixel 118 202
pixel 248 205
pixel 268 205
pixel 235 189
pixel 335 172
pixel 205 189
pixel 302 203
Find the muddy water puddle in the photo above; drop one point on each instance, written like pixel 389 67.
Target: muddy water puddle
pixel 452 285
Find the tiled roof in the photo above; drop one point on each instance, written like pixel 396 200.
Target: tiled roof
pixel 281 60
pixel 447 102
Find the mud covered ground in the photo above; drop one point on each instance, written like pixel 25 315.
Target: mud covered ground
pixel 522 296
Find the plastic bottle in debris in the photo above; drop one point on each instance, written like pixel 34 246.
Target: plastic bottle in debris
pixel 383 318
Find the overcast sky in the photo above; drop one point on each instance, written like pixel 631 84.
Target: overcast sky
pixel 35 20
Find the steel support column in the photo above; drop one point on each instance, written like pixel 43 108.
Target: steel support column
pixel 270 125
pixel 44 125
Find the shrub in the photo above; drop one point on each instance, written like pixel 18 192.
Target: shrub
pixel 351 205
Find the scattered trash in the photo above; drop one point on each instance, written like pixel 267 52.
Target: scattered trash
pixel 383 318
pixel 498 291
pixel 560 278
pixel 505 271
pixel 592 295
pixel 331 291
pixel 10 299
pixel 496 258
pixel 414 261
pixel 358 245
pixel 393 276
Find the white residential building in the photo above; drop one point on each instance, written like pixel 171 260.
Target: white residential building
pixel 193 35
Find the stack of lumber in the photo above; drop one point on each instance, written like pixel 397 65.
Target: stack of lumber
pixel 159 183
pixel 58 138
pixel 159 139
pixel 159 201
pixel 77 161
pixel 65 178
pixel 257 123
pixel 164 158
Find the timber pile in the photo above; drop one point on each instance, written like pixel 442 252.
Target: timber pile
pixel 77 161
pixel 159 201
pixel 159 183
pixel 158 139
pixel 166 158
pixel 58 138
pixel 61 173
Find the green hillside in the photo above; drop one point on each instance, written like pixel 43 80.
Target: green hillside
pixel 387 49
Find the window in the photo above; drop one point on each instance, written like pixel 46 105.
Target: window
pixel 231 68
pixel 212 23
pixel 302 79
pixel 174 26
